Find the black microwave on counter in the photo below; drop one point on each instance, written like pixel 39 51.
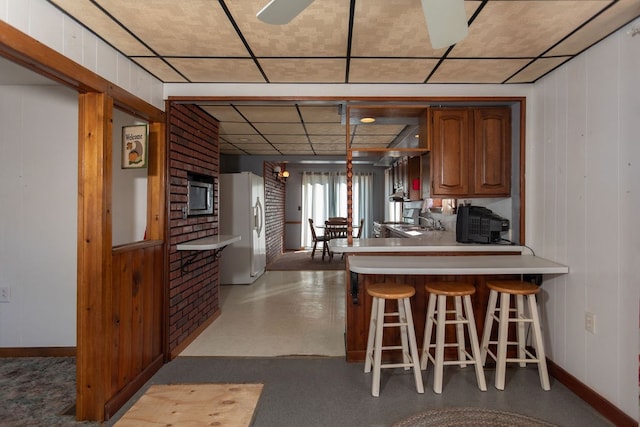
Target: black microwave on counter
pixel 477 224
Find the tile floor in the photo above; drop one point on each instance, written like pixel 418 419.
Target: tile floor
pixel 283 313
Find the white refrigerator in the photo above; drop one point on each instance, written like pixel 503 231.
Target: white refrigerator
pixel 241 207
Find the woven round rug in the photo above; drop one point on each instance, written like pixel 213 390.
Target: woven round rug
pixel 477 417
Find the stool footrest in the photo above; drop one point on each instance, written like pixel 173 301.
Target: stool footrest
pixel 396 324
pixel 469 359
pixel 396 365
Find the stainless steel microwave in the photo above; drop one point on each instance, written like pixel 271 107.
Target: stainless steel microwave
pixel 199 198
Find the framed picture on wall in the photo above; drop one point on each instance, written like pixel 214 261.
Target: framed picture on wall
pixel 134 146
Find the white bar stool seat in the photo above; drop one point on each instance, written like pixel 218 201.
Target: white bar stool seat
pixel 380 292
pixel 505 289
pixel 438 314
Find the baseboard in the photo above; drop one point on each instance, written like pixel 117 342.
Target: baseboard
pixel 599 403
pixel 184 344
pixel 38 352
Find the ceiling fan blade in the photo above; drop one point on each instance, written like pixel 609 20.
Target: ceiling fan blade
pixel 446 21
pixel 280 12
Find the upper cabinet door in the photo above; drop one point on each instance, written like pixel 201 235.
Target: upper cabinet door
pixel 492 152
pixel 471 152
pixel 450 152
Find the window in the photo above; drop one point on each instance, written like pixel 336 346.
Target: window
pixel 324 195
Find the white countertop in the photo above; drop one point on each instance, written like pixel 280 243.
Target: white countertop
pixel 472 264
pixel 208 243
pixel 434 241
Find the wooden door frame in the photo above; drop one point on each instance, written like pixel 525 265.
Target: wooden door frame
pixel 96 101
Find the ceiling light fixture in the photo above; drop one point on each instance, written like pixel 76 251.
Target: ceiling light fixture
pixel 367 120
pixel 280 12
pixel 446 22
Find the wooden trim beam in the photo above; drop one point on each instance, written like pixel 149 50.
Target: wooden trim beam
pixel 94 253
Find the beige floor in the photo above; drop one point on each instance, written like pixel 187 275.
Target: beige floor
pixel 283 313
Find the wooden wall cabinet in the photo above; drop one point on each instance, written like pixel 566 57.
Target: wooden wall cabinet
pixel 470 152
pixel 406 172
pixel 414 177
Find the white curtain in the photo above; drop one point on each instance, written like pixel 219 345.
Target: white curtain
pixel 324 195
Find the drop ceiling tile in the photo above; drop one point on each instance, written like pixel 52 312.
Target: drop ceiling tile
pixel 303 70
pixel 330 149
pixel 99 23
pixel 287 139
pixel 253 145
pixel 243 139
pixel 280 128
pixel 378 70
pixel 610 20
pixel 537 69
pixel 322 114
pixel 320 30
pixel 235 128
pixel 223 113
pixel 326 129
pixel 206 70
pixel 476 70
pixel 179 28
pixel 289 148
pixel 512 29
pixel 160 69
pixel 327 139
pixel 230 149
pixel 378 129
pixel 273 113
pixel 394 28
pixel 264 152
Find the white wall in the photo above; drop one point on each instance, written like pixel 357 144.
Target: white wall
pixel 38 215
pixel 45 23
pixel 583 177
pixel 129 191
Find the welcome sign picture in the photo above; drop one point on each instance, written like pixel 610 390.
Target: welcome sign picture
pixel 134 146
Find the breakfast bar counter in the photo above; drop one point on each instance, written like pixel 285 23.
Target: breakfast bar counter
pixel 454 265
pixel 418 261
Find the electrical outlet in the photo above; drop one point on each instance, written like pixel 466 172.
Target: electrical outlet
pixel 4 294
pixel 590 322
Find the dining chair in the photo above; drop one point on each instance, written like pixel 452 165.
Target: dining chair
pixel 318 238
pixel 335 229
pixel 357 236
pixel 337 219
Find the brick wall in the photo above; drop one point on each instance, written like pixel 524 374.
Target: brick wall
pixel 193 148
pixel 274 196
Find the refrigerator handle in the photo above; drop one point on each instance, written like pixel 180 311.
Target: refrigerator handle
pixel 257 217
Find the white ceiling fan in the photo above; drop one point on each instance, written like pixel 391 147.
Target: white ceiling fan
pixel 446 19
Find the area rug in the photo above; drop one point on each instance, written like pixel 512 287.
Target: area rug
pixel 302 261
pixel 477 417
pixel 223 405
pixel 38 391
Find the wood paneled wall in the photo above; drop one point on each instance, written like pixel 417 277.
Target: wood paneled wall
pixel 134 308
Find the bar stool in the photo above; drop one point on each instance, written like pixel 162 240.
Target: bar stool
pixel 437 314
pixel 381 292
pixel 519 289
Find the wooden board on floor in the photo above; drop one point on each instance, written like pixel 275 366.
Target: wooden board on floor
pixel 194 405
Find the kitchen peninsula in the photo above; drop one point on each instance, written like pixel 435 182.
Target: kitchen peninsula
pixel 435 255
